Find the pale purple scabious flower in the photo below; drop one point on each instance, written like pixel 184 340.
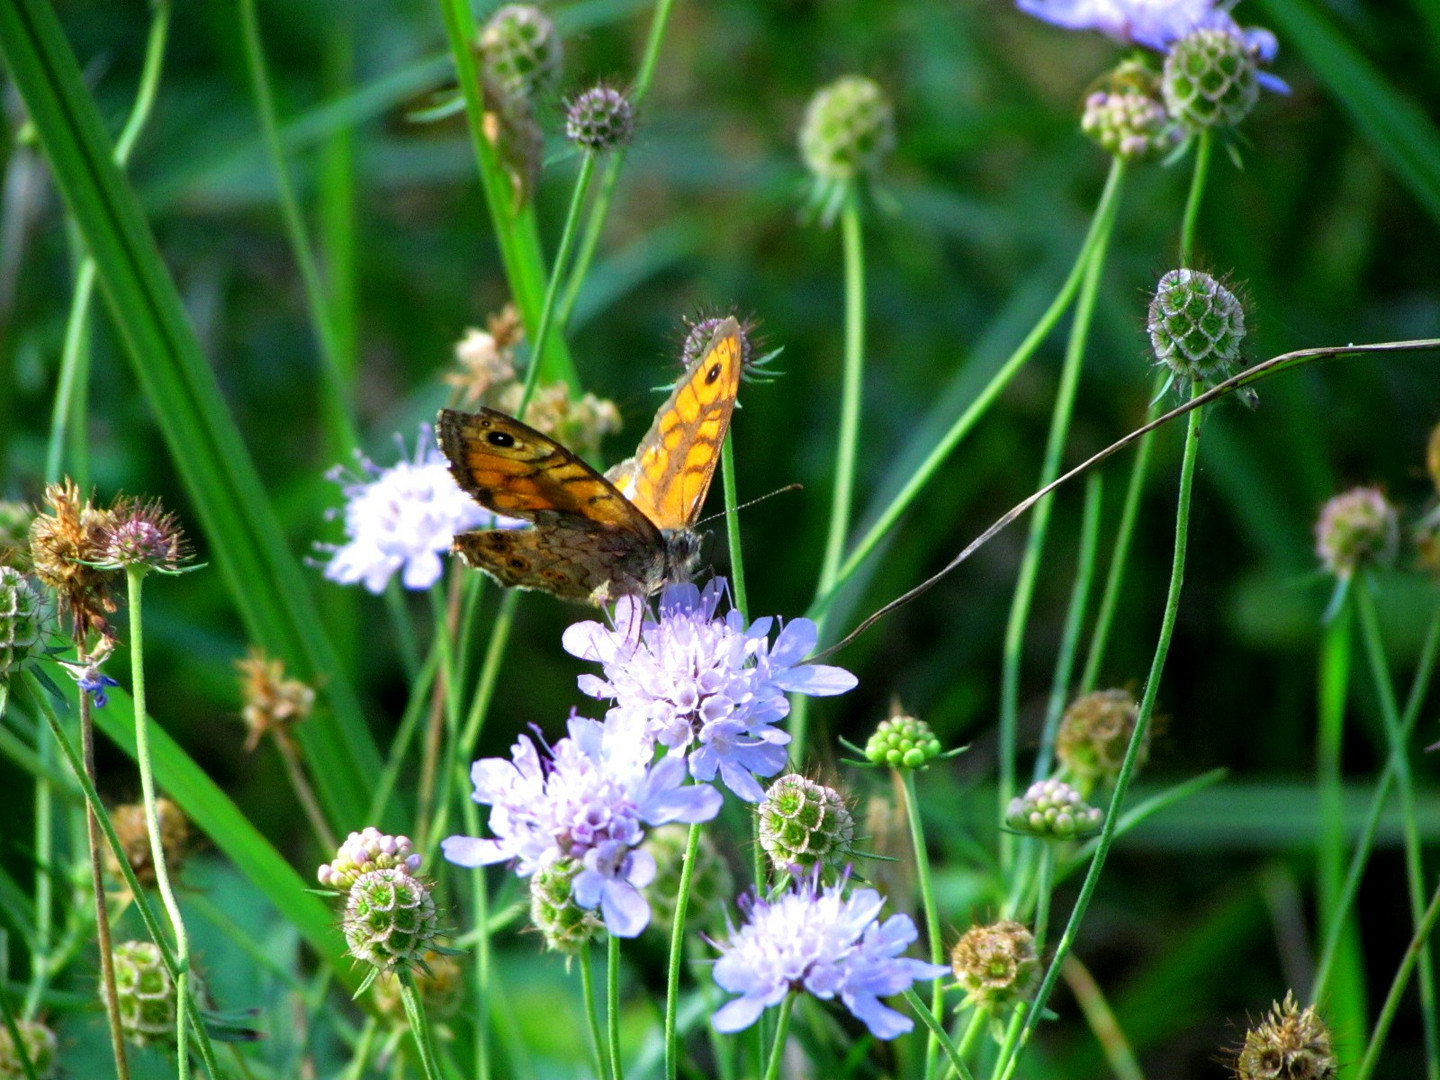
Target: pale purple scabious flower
pixel 403 518
pixel 823 942
pixel 692 679
pixel 587 799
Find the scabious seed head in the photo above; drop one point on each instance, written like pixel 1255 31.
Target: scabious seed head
pixel 711 883
pixel 564 924
pixel 365 851
pixel 995 965
pixel 600 119
pixel 1210 79
pixel 64 546
pixel 804 824
pixel 1054 810
pixel 1290 1044
pixel 849 129
pixel 22 621
pixel 1356 528
pixel 390 920
pixel 40 1047
pixel 441 985
pixel 1094 734
pixel 902 742
pixel 134 834
pixel 520 53
pixel 1125 115
pixel 141 533
pixel 1196 324
pixel 272 703
pixel 145 993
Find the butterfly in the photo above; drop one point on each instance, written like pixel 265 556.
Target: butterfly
pixel 594 537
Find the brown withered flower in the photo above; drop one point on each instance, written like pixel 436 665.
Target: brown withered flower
pixel 65 545
pixel 130 827
pixel 272 702
pixel 486 358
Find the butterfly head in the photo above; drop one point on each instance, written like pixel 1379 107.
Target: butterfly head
pixel 682 553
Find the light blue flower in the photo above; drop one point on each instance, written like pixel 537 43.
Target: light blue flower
pixel 826 943
pixel 588 798
pixel 692 679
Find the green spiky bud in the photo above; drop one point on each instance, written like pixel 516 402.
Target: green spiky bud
pixel 600 119
pixel 520 53
pixel 1054 810
pixel 390 919
pixel 364 851
pixel 1290 1044
pixel 40 1047
pixel 1125 115
pixel 711 883
pixel 903 742
pixel 849 129
pixel 995 965
pixel 804 824
pixel 1196 324
pixel 145 993
pixel 1094 734
pixel 1210 80
pixel 564 924
pixel 21 621
pixel 1357 528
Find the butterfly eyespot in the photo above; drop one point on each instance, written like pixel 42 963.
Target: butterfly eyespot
pixel 712 374
pixel 518 564
pixel 500 438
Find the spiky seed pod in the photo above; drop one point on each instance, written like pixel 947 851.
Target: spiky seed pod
pixel 145 993
pixel 1196 324
pixel 441 985
pixel 804 824
pixel 1356 528
pixel 600 119
pixel 1290 1044
pixel 1210 80
pixel 1094 734
pixel 564 924
pixel 272 703
pixel 134 834
pixel 40 1047
pixel 520 53
pixel 390 919
pixel 21 621
pixel 1054 810
pixel 902 742
pixel 849 129
pixel 996 964
pixel 364 851
pixel 141 533
pixel 1125 115
pixel 711 883
pixel 64 546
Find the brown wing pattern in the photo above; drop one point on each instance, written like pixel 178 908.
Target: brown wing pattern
pixel 670 474
pixel 564 561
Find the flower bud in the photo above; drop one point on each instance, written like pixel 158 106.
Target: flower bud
pixel 564 924
pixel 600 119
pixel 141 533
pixel 1054 810
pixel 1125 115
pixel 390 919
pixel 364 851
pixel 520 53
pixel 711 883
pixel 40 1047
pixel 1356 528
pixel 1196 325
pixel 849 129
pixel 804 824
pixel 134 833
pixel 902 742
pixel 145 993
pixel 996 964
pixel 21 620
pixel 1094 735
pixel 1289 1044
pixel 1210 80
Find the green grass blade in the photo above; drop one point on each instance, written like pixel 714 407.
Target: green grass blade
pixel 236 517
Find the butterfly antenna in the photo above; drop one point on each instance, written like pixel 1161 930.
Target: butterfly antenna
pixel 752 502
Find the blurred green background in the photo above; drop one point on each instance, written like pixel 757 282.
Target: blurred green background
pixel 1330 230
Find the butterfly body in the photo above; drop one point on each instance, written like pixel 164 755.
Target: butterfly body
pixel 594 537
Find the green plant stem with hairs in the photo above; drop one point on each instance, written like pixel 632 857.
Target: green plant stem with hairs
pixel 612 1003
pixel 782 1032
pixel 732 526
pixel 592 1019
pixel 677 953
pixel 927 902
pixel 1006 1067
pixel 419 1025
pixel 1204 148
pixel 1424 928
pixel 955 1055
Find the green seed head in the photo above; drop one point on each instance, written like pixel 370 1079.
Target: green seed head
pixel 600 119
pixel 520 53
pixel 804 824
pixel 390 919
pixel 565 925
pixel 1210 80
pixel 903 742
pixel 1125 115
pixel 995 965
pixel 40 1047
pixel 1196 325
pixel 849 129
pixel 21 621
pixel 1053 810
pixel 145 993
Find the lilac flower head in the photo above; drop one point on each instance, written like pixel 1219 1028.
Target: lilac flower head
pixel 402 518
pixel 690 678
pixel 588 798
pixel 823 942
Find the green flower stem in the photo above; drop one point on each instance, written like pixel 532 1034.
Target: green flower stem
pixel 419 1025
pixel 359 1063
pixel 1204 144
pixel 1044 893
pixel 612 1003
pixel 972 1031
pixel 1142 725
pixel 516 232
pixel 1404 783
pixel 732 526
pixel 1346 897
pixel 1040 523
pixel 27 1067
pixel 677 952
pixel 592 1018
pixel 406 641
pixel 782 1031
pixel 1417 949
pixel 400 745
pixel 927 900
pixel 480 898
pixel 552 287
pixel 1013 1030
pixel 444 713
pixel 335 398
pixel 304 793
pixel 595 224
pixel 937 1029
pixel 134 577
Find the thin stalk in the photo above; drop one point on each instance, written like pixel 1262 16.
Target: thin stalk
pixel 612 1004
pixel 1044 890
pixel 957 1062
pixel 304 793
pixel 732 527
pixel 782 1031
pixel 1101 1018
pixel 335 400
pixel 1414 854
pixel 480 897
pixel 592 1019
pixel 1142 725
pixel 972 1031
pixel 444 711
pixel 677 952
pixel 359 1063
pixel 927 900
pixel 1204 144
pixel 1416 949
pixel 419 1026
pixel 1040 525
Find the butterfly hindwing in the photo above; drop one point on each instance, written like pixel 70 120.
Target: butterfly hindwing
pixel 561 560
